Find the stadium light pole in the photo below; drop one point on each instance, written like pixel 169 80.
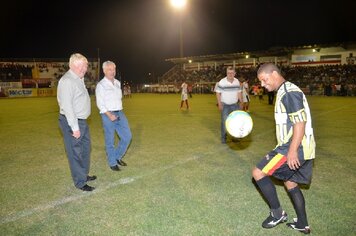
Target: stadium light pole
pixel 179 5
pixel 98 64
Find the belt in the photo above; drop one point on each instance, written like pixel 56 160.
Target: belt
pixel 66 117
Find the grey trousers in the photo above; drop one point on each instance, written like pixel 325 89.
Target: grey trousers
pixel 78 150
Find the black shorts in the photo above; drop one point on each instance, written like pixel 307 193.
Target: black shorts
pixel 275 164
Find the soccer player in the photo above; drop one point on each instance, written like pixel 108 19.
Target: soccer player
pixel 228 92
pixel 245 95
pixel 292 159
pixel 184 95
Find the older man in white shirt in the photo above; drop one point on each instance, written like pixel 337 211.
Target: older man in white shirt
pixel 109 101
pixel 74 108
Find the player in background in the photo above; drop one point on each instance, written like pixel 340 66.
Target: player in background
pixel 245 95
pixel 260 93
pixel 228 94
pixel 128 91
pixel 292 159
pixel 184 95
pixel 190 90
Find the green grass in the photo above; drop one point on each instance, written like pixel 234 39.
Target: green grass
pixel 180 179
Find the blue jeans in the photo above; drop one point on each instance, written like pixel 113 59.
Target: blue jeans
pixel 227 109
pixel 121 127
pixel 78 150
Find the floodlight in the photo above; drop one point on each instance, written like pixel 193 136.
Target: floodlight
pixel 179 4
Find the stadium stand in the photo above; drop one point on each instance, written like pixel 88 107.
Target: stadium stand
pixel 38 77
pixel 318 69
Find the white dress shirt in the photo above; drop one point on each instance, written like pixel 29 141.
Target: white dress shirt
pixel 108 95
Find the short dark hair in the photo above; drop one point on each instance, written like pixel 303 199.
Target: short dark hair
pixel 230 68
pixel 268 68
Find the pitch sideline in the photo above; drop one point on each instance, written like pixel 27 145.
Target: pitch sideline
pixel 126 180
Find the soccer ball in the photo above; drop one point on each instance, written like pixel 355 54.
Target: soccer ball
pixel 239 124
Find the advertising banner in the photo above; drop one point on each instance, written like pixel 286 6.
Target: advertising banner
pixel 22 92
pixel 46 92
pixel 10 85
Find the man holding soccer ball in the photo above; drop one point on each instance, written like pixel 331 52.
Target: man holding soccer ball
pixel 228 93
pixel 292 159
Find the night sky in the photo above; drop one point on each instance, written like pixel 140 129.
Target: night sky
pixel 138 35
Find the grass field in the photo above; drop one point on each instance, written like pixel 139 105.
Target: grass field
pixel 180 180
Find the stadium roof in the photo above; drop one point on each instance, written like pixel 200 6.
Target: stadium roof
pixel 41 59
pixel 271 52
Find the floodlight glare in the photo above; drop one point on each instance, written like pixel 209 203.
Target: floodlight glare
pixel 178 3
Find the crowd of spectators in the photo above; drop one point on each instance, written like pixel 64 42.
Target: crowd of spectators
pixel 41 74
pixel 326 80
pixel 13 72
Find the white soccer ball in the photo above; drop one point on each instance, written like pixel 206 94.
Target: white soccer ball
pixel 239 124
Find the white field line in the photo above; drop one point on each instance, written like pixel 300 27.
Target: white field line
pixel 127 180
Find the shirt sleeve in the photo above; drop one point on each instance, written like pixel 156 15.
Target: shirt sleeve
pixel 99 94
pixel 218 88
pixel 65 99
pixel 293 102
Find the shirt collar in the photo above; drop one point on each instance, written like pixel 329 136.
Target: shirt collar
pixel 109 81
pixel 74 74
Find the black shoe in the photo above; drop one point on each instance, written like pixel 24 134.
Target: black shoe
pixel 304 230
pixel 121 163
pixel 87 188
pixel 91 178
pixel 115 168
pixel 271 221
